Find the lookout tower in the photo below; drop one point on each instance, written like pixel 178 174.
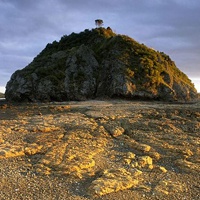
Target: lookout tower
pixel 99 23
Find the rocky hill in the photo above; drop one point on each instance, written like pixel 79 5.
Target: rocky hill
pixel 99 63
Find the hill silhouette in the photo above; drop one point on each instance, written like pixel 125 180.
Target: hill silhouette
pixel 99 63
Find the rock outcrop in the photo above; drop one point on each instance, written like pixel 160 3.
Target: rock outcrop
pixel 100 150
pixel 99 63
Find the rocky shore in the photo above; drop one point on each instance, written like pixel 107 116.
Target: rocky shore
pixel 100 150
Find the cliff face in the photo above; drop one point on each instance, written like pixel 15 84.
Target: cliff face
pixel 99 63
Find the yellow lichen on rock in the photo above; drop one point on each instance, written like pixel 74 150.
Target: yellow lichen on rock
pixel 32 149
pixel 9 151
pixel 112 180
pixel 117 131
pixel 144 160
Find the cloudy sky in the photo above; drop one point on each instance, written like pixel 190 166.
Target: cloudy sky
pixel 171 26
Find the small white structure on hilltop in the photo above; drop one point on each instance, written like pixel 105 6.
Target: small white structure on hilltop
pixel 99 22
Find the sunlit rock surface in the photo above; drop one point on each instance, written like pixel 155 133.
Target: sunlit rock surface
pixel 100 149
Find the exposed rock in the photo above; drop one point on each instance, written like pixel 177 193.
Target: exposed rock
pixel 166 187
pixel 32 149
pixel 116 131
pixel 99 63
pixel 81 70
pixel 154 154
pixel 160 169
pixel 142 147
pixel 130 155
pixel 112 180
pixel 145 160
pixel 74 157
pixel 187 166
pixel 9 151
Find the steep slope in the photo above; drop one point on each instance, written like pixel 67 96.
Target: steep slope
pixel 99 63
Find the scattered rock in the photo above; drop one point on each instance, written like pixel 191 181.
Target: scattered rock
pixel 161 169
pixel 187 166
pixel 9 151
pixel 112 180
pixel 32 149
pixel 155 155
pixel 117 131
pixel 142 147
pixel 130 155
pixel 145 160
pixel 165 187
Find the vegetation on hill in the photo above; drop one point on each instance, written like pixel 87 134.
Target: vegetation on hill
pixel 123 67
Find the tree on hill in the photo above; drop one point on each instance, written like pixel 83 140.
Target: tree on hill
pixel 99 22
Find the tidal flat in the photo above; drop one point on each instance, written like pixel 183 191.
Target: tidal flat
pixel 101 150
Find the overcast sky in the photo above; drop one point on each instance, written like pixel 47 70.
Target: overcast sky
pixel 171 26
